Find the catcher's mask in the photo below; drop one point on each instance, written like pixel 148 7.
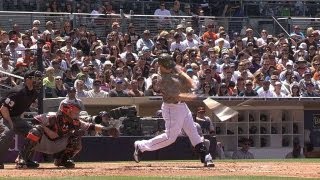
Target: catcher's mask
pixel 70 110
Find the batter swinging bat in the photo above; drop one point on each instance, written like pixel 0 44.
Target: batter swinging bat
pixel 221 111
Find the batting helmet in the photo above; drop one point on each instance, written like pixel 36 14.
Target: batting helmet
pixel 166 61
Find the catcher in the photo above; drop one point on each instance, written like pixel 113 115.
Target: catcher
pixel 59 134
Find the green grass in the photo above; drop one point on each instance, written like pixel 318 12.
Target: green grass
pixel 162 178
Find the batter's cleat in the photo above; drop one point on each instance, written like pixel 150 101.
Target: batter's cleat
pixel 67 163
pixel 137 152
pixel 27 164
pixel 208 161
pixel 1 166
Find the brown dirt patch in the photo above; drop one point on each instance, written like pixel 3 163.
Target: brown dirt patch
pixel 283 169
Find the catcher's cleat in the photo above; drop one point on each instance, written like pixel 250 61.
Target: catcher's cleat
pixel 21 164
pixel 208 161
pixel 137 152
pixel 1 166
pixel 67 163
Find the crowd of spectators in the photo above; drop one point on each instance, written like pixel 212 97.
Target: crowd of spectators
pixel 125 64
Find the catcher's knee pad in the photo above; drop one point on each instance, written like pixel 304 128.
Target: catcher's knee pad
pixel 74 146
pixel 35 133
pixel 202 151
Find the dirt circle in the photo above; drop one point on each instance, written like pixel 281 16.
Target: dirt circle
pixel 179 169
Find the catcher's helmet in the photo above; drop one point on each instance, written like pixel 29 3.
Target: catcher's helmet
pixel 70 109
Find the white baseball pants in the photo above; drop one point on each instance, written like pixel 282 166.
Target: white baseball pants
pixel 177 117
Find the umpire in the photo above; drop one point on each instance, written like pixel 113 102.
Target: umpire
pixel 17 101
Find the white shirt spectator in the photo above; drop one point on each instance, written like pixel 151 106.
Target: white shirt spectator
pixel 265 94
pixel 182 47
pixel 162 13
pixel 190 44
pixel 100 94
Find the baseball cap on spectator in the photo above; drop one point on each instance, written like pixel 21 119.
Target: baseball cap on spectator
pixel 146 32
pixel 59 39
pixel 180 26
pixel 205 62
pixel 269 36
pixel 107 63
pixel 232 65
pixel 176 35
pixel 115 24
pixel 278 83
pixel 119 81
pixel 301 60
pixel 49 23
pixel 220 40
pixel 189 70
pixel 21 64
pixel 289 63
pixel 146 49
pixel 211 50
pixel 189 30
pixel 11 42
pixel 187 6
pixel 303 46
pixel 248 82
pixel 58 77
pixel 307 73
pixel 45 48
pixel 98 47
pixel 225 51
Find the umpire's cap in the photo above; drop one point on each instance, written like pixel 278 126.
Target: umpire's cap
pixel 32 73
pixel 166 61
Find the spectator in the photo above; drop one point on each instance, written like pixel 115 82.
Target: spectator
pixel 296 152
pixel 72 98
pixel 265 90
pixel 177 44
pixel 187 10
pixel 60 89
pixel 175 11
pixel 294 90
pixel 49 82
pixel 248 89
pixel 119 90
pixel 309 92
pixel 209 34
pixel 243 153
pixel 80 89
pixel 145 41
pixel 277 90
pixel 133 90
pixel 205 122
pixel 96 92
pixel 87 80
pixel 154 88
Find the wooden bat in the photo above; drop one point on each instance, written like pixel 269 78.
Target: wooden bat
pixel 221 111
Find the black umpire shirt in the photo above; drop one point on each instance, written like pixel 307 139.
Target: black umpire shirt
pixel 19 99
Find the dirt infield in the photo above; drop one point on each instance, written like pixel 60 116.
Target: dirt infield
pixel 283 169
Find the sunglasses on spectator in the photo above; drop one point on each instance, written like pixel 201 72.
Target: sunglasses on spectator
pixel 58 79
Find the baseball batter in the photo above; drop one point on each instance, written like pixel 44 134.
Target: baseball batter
pixel 175 85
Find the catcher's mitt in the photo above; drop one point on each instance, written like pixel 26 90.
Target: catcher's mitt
pixel 110 131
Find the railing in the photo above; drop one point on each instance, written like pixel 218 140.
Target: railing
pixel 214 8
